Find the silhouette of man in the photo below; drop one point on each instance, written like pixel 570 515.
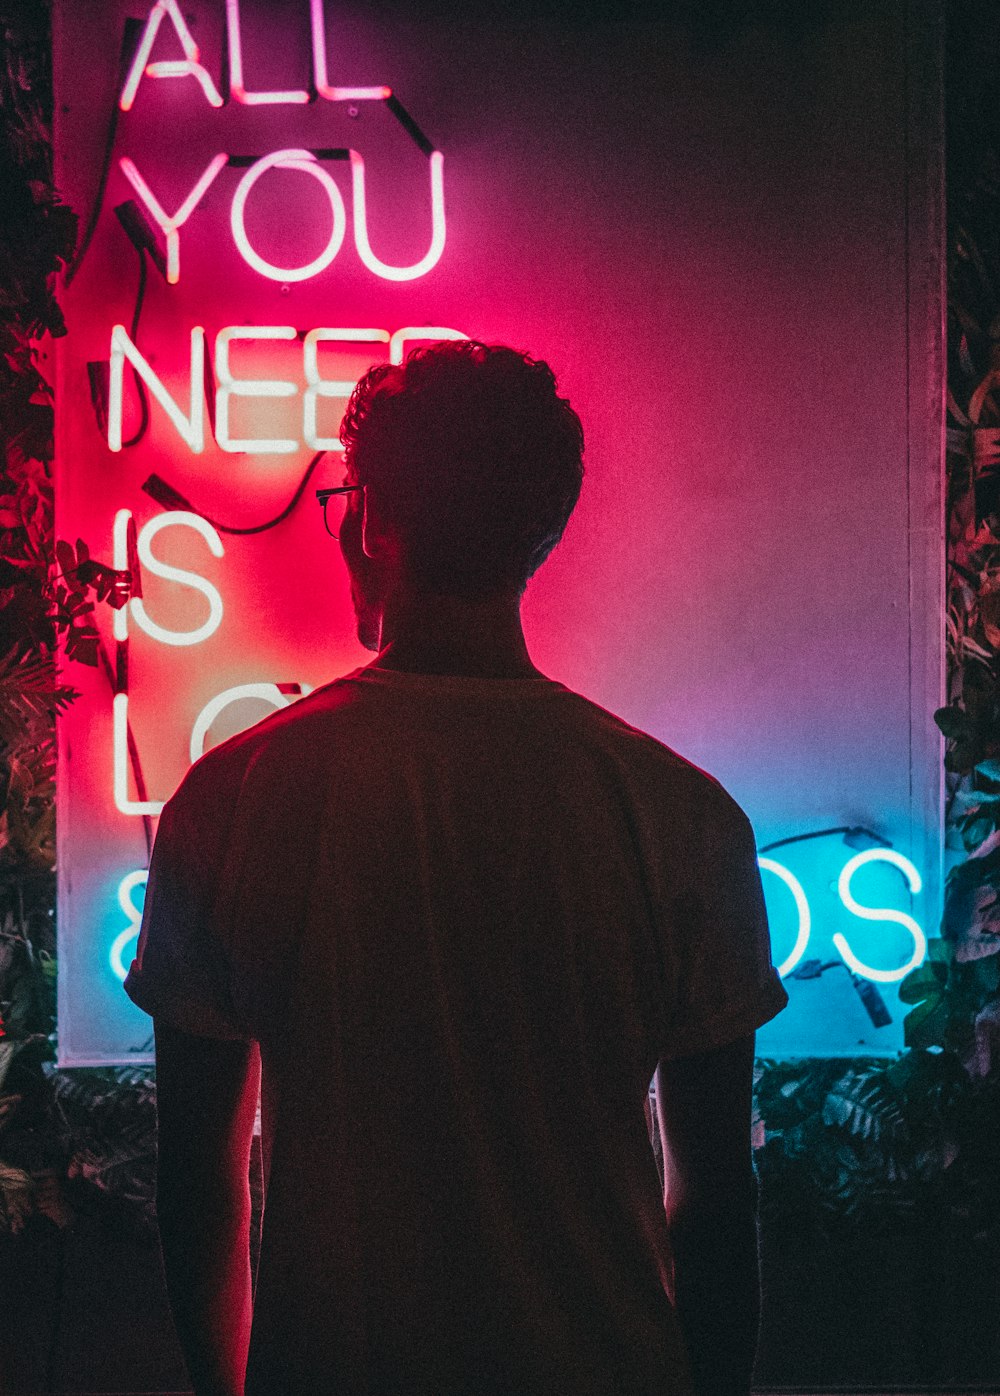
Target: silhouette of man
pixel 453 916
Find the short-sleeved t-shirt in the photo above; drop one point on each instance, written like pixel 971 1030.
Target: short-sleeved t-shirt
pixel 464 919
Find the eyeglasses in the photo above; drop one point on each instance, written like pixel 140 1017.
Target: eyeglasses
pixel 333 503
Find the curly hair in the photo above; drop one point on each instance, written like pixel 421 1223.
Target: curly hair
pixel 477 459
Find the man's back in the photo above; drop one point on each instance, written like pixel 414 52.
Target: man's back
pixel 464 918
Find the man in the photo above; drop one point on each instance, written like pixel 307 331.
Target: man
pixel 457 915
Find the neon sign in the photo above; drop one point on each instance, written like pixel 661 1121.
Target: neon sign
pixel 190 65
pixel 306 162
pixel 123 945
pixel 170 224
pixel 190 426
pixel 268 220
pixel 205 387
pixel 885 915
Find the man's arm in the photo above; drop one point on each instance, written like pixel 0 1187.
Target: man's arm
pixel 206 1098
pixel 705 1109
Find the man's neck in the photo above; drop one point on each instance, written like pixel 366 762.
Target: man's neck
pixel 427 634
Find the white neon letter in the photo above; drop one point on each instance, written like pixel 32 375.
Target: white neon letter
pixel 305 161
pixel 251 99
pixel 188 67
pixel 328 387
pixel 133 915
pixel 364 247
pixel 123 803
pixel 321 80
pixel 867 913
pixel 802 907
pixel 268 692
pixel 191 428
pixel 412 332
pixel 167 222
pixel 179 518
pixel 228 387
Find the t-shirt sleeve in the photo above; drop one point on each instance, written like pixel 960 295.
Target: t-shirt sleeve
pixel 725 985
pixel 180 973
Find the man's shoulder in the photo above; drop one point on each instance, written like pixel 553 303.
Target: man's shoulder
pixel 284 741
pixel 655 765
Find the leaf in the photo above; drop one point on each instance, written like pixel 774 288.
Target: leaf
pixel 50 1199
pixel 987 1030
pixel 952 721
pixel 927 1024
pixel 9 1048
pixel 65 557
pixel 988 847
pixel 864 1103
pixel 16 1198
pixel 31 696
pixel 977 799
pixel 83 645
pixel 971 912
pixel 982 939
pixel 8 1107
pixel 926 981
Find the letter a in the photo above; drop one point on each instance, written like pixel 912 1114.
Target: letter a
pixel 187 67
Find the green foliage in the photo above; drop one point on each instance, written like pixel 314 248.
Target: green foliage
pixel 956 995
pixel 48 591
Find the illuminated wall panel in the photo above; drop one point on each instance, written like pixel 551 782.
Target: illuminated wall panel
pixel 710 243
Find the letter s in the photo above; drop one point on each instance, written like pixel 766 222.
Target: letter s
pixel 866 913
pixel 179 518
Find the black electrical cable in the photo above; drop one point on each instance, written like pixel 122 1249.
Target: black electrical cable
pixel 871 1000
pixel 157 488
pixel 845 829
pixel 130 38
pixel 95 212
pixel 140 296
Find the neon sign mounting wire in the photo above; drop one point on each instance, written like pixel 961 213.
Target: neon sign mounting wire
pixel 851 832
pixel 163 493
pixel 130 43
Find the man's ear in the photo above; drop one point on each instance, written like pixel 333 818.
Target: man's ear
pixel 375 540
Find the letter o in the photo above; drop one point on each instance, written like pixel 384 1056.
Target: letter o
pixel 268 692
pixel 801 906
pixel 305 161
